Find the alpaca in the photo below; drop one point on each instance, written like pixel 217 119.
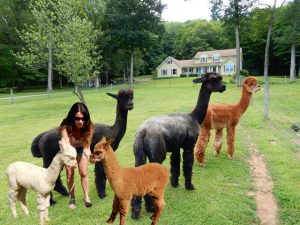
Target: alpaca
pixel 45 144
pixel 161 134
pixel 23 176
pixel 149 179
pixel 221 116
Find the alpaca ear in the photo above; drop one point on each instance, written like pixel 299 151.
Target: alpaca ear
pixel 199 80
pixel 112 95
pixel 103 139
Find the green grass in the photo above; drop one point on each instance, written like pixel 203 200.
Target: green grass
pixel 222 187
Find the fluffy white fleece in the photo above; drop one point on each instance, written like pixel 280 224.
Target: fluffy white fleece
pixel 23 176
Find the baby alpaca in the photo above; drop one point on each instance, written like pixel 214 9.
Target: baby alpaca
pixel 221 116
pixel 23 176
pixel 151 179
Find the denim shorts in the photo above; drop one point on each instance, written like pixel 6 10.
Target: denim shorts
pixel 79 151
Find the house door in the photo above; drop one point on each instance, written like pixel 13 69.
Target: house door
pixel 214 69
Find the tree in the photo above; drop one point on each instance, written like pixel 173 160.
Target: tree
pixel 233 14
pixel 287 34
pixel 61 38
pixel 133 25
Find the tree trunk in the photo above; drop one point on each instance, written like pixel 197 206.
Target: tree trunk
pixel 77 91
pixel 292 69
pixel 131 67
pixel 266 66
pixel 237 43
pixel 238 55
pixel 49 68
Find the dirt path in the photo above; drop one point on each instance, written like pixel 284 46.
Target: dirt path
pixel 266 205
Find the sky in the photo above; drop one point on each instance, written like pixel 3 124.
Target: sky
pixel 181 11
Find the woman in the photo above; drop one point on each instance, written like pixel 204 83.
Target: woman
pixel 77 129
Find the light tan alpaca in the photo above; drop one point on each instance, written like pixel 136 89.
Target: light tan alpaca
pixel 221 116
pixel 23 176
pixel 151 179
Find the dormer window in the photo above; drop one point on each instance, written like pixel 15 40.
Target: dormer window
pixel 203 58
pixel 169 61
pixel 216 58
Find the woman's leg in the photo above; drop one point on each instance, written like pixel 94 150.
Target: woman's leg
pixel 71 187
pixel 83 171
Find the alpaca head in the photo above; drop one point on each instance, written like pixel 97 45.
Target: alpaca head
pixel 212 82
pixel 251 85
pixel 124 98
pixel 100 149
pixel 68 153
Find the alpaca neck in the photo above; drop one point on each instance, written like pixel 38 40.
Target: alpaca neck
pixel 52 172
pixel 200 110
pixel 120 124
pixel 111 167
pixel 244 101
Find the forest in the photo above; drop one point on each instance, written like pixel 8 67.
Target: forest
pixel 53 43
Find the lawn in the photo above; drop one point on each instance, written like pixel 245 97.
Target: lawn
pixel 222 186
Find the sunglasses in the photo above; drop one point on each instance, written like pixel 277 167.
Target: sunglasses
pixel 79 118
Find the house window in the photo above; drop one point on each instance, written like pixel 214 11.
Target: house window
pixel 201 70
pixel 174 71
pixel 229 68
pixel 190 70
pixel 203 59
pixel 216 58
pixel 164 72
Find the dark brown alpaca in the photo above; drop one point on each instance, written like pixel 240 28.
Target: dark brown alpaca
pixel 221 116
pixel 150 179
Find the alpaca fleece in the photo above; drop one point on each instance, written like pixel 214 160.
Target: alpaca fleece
pixel 45 145
pixel 161 134
pixel 149 179
pixel 220 116
pixel 23 176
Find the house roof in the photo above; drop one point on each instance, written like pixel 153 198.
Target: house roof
pixel 223 52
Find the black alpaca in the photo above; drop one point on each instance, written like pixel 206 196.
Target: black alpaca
pixel 161 134
pixel 46 146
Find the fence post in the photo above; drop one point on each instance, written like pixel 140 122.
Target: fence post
pixel 11 96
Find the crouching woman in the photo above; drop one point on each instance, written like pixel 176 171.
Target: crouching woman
pixel 77 128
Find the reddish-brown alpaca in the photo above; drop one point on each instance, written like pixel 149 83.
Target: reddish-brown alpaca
pixel 221 116
pixel 151 179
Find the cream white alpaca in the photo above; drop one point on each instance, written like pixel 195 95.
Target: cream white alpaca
pixel 23 176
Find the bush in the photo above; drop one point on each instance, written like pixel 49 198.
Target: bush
pixel 244 73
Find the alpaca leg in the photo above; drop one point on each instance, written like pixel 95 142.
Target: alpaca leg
pixel 115 210
pixel 188 161
pixel 200 146
pixel 218 141
pixel 175 167
pixel 59 187
pixel 230 141
pixel 149 203
pixel 136 207
pixel 159 205
pixel 123 209
pixel 42 205
pixel 100 179
pixel 12 198
pixel 47 206
pixel 22 198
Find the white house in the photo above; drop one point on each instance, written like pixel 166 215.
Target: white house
pixel 220 61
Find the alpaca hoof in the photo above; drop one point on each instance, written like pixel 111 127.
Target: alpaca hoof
pixel 62 190
pixel 47 219
pixel 52 202
pixel 202 164
pixel 216 153
pixel 102 194
pixel 230 157
pixel 174 183
pixel 189 187
pixel 110 221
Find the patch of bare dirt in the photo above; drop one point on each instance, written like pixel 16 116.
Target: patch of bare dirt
pixel 265 201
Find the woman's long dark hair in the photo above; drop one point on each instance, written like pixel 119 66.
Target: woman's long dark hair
pixel 69 122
